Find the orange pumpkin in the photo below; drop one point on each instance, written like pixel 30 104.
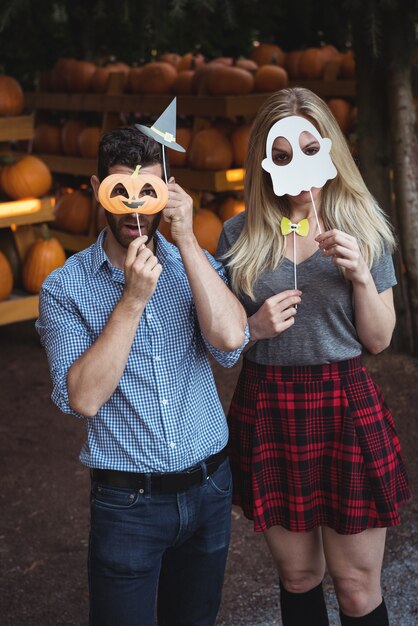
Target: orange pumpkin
pixel 59 74
pixel 170 57
pixel 230 207
pixel 266 53
pixel 190 61
pixel 292 63
pixel 239 140
pixel 225 80
pixel 70 133
pixel 270 78
pixel 44 256
pixel 158 77
pixel 247 64
pixel 343 113
pixel 133 201
pixel 133 82
pixel 47 139
pixel 73 212
pixel 184 138
pixel 207 228
pixel 101 77
pixel 11 96
pixel 210 150
pixel 183 82
pixel 88 142
pixel 28 177
pixel 80 75
pixel 6 277
pixel 311 64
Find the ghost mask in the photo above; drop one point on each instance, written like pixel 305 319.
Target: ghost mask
pixel 304 171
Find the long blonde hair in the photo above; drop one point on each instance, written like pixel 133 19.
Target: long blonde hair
pixel 346 203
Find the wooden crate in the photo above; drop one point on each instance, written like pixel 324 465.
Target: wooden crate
pixel 16 128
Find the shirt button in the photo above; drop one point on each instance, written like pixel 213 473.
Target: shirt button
pixel 165 402
pixel 172 444
pixel 157 358
pixel 149 316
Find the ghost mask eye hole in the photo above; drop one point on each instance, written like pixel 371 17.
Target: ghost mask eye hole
pixel 281 152
pixel 148 190
pixel 119 190
pixel 309 144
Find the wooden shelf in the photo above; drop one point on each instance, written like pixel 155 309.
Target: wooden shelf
pixel 16 128
pixel 44 214
pixel 61 164
pixel 205 106
pixel 72 243
pixel 225 180
pixel 19 307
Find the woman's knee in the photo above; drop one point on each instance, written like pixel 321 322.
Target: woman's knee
pixel 301 581
pixel 357 594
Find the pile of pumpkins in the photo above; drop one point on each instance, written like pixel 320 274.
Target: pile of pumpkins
pixel 267 68
pixel 72 138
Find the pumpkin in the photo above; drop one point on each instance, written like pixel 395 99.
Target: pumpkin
pixel 11 96
pixel 207 228
pixel 239 140
pixel 292 63
pixel 9 249
pixel 348 66
pixel 343 113
pixel 47 139
pixel 101 77
pixel 201 77
pixel 226 80
pixel 59 73
pixel 170 57
pixel 133 202
pixel 6 277
pixel 44 256
pixel 210 150
pixel 69 136
pixel 184 138
pixel 270 78
pixel 265 53
pixel 73 212
pixel 311 63
pixel 183 82
pixel 190 61
pixel 230 207
pixel 133 82
pixel 158 77
pixel 27 177
pixel 247 64
pixel 80 75
pixel 88 142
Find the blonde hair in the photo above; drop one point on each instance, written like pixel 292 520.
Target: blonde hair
pixel 345 203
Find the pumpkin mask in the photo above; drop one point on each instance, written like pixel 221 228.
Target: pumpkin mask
pixel 133 193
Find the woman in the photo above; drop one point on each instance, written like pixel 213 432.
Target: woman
pixel 315 455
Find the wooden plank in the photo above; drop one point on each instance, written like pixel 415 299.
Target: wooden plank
pixel 69 165
pixel 70 242
pixel 228 180
pixel 18 308
pixel 44 214
pixel 209 106
pixel 16 128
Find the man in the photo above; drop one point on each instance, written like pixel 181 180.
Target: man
pixel 126 325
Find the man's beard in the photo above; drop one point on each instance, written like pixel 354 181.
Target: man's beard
pixel 124 240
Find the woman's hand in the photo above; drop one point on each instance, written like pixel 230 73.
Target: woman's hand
pixel 275 315
pixel 344 252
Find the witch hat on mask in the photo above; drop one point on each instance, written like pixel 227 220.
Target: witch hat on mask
pixel 164 129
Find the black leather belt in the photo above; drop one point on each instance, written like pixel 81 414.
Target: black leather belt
pixel 171 482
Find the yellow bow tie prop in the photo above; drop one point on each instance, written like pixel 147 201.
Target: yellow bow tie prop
pixel 302 229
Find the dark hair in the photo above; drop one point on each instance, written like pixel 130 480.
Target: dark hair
pixel 127 146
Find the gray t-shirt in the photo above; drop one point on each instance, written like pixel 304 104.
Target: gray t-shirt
pixel 324 330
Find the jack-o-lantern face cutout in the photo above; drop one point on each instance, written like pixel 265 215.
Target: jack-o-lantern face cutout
pixel 133 193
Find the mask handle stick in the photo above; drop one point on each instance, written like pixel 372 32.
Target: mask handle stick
pixel 294 263
pixel 315 211
pixel 137 221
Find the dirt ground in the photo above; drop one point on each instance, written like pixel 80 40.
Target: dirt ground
pixel 44 503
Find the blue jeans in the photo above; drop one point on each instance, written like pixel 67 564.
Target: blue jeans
pixel 149 546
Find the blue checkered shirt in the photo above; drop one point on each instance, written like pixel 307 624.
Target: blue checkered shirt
pixel 165 414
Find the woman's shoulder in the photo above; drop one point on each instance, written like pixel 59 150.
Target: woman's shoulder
pixel 234 226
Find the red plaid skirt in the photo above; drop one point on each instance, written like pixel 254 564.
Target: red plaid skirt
pixel 315 446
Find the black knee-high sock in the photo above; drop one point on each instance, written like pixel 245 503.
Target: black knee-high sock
pixel 303 609
pixel 378 617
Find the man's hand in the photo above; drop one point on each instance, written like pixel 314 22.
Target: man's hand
pixel 179 213
pixel 142 272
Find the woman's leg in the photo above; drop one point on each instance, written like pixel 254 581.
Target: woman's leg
pixel 355 563
pixel 300 562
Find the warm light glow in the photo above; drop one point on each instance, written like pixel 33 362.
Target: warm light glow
pixel 235 176
pixel 19 207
